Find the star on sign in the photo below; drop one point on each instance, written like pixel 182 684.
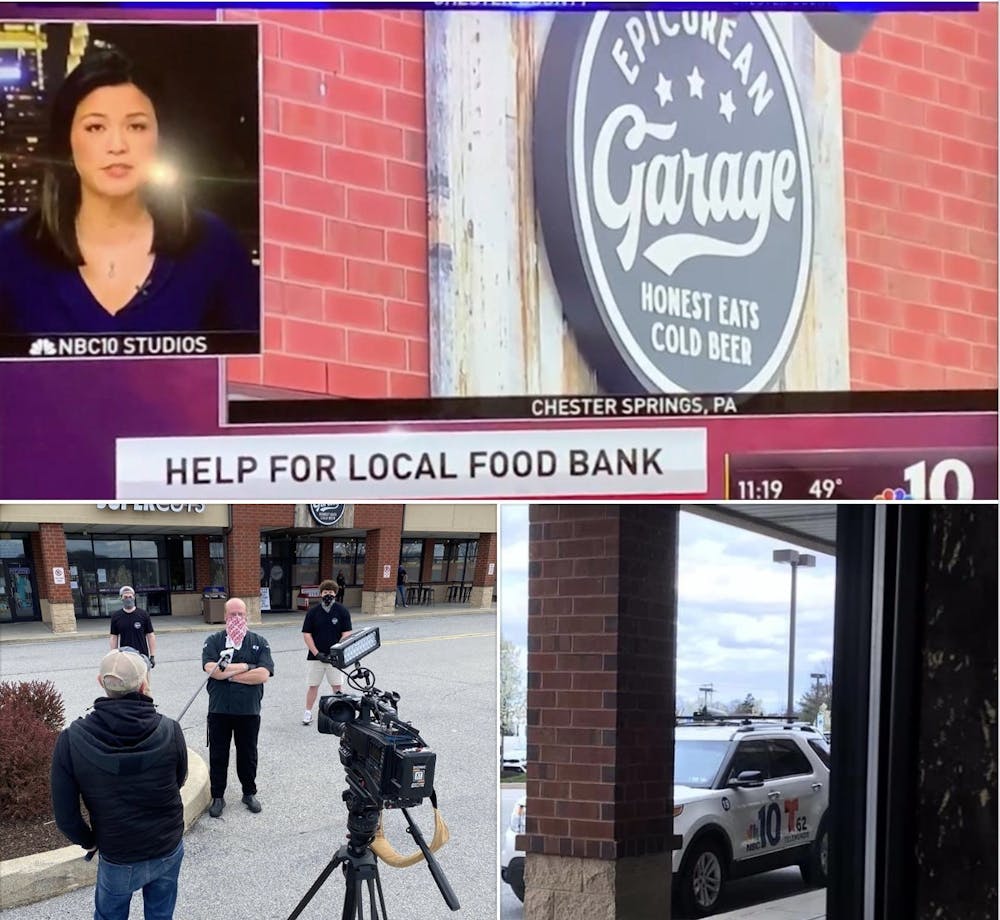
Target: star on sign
pixel 726 107
pixel 664 90
pixel 695 82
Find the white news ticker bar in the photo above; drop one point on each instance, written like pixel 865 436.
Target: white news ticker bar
pixel 414 465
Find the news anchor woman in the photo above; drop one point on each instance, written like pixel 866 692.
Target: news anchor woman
pixel 113 246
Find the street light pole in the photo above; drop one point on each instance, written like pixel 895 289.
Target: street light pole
pixel 795 559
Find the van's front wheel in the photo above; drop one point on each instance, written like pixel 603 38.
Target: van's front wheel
pixel 701 879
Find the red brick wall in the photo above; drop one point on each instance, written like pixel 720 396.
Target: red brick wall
pixel 427 566
pixel 601 622
pixel 920 154
pixel 345 204
pixel 202 563
pixel 486 553
pixel 243 544
pixel 326 558
pixel 49 549
pixel 384 526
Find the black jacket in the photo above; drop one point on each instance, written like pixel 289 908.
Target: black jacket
pixel 128 763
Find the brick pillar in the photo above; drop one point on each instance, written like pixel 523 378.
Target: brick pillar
pixel 243 550
pixel 427 567
pixel 49 552
pixel 202 563
pixel 602 619
pixel 483 583
pixel 384 529
pixel 326 558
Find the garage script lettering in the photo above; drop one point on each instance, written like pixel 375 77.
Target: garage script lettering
pixel 666 188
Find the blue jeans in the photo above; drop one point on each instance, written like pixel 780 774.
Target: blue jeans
pixel 117 882
pixel 400 595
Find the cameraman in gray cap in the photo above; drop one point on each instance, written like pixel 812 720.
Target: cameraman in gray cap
pixel 128 763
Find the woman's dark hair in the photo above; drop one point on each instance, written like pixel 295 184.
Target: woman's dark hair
pixel 54 226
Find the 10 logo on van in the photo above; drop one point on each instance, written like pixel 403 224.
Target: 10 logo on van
pixel 684 177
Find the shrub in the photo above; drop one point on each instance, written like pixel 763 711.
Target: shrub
pixel 40 695
pixel 26 746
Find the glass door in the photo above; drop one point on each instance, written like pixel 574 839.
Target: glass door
pixel 276 571
pixel 17 592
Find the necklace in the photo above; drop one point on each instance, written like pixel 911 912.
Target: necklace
pixel 127 242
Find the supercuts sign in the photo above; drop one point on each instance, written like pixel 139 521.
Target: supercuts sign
pixel 674 189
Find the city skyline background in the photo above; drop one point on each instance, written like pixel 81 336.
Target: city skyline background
pixel 209 116
pixel 732 611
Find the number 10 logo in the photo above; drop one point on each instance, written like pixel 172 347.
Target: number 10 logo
pixel 934 488
pixel 769 824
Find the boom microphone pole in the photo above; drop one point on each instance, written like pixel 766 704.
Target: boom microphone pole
pixel 216 666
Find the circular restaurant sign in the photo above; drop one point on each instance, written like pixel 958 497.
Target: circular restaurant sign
pixel 675 194
pixel 327 515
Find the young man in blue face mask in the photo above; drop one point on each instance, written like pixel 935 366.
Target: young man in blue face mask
pixel 131 627
pixel 326 624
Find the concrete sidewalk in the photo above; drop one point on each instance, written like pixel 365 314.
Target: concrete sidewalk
pixel 808 906
pixel 38 631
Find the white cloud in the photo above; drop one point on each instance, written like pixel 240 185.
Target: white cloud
pixel 733 609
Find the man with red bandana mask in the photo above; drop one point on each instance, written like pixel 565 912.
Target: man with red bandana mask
pixel 238 663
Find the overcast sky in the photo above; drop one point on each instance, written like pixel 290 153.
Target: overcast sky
pixel 733 601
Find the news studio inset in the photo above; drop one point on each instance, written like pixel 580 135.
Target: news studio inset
pixel 129 190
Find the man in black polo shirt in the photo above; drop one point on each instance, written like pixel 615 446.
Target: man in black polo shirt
pixel 238 663
pixel 326 624
pixel 131 627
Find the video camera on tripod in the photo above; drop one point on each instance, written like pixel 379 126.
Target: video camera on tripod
pixel 387 765
pixel 386 760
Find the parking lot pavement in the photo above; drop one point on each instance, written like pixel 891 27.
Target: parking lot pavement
pixel 246 865
pixel 808 906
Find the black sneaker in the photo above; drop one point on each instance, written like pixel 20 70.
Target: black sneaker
pixel 215 809
pixel 251 802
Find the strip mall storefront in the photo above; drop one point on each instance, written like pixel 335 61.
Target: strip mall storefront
pixel 61 563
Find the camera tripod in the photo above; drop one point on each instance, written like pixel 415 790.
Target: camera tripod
pixel 360 866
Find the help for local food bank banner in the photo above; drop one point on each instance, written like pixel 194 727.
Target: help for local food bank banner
pixel 462 465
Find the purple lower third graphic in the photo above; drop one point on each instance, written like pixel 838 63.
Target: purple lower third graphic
pixel 77 409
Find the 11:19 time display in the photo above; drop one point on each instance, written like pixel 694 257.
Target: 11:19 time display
pixel 758 490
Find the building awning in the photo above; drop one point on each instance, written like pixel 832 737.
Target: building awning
pixel 808 526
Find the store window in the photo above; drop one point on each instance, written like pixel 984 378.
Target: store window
pixel 180 553
pixel 349 558
pixel 99 567
pixel 305 569
pixel 454 560
pixel 411 557
pixel 217 561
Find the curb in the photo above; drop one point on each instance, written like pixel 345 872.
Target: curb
pixel 41 876
pixel 282 620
